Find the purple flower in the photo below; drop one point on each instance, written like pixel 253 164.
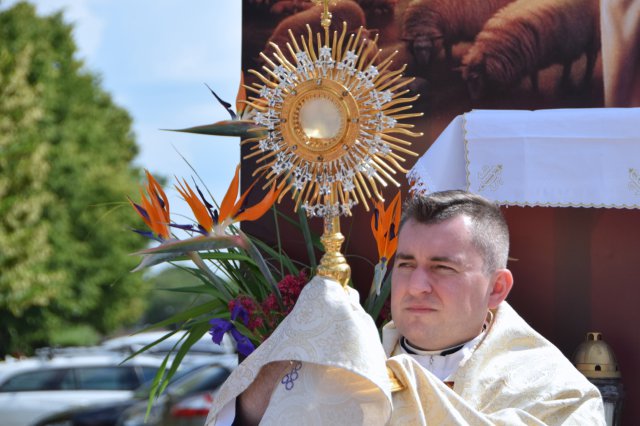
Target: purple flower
pixel 219 327
pixel 239 310
pixel 245 347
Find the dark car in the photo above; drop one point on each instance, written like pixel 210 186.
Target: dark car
pixel 187 398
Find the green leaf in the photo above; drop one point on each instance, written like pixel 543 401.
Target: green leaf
pixel 226 255
pixel 212 280
pixel 380 271
pixel 246 332
pixel 264 268
pixel 378 301
pixel 208 242
pixel 280 257
pixel 212 307
pixel 306 231
pixel 301 224
pixel 275 221
pixel 199 289
pixel 242 128
pixel 155 383
pixel 150 345
pixel 155 259
pixel 193 335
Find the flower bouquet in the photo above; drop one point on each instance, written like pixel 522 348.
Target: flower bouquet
pixel 250 286
pixel 325 126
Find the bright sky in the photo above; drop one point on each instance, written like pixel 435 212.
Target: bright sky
pixel 154 57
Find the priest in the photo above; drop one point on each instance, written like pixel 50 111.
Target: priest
pixel 455 353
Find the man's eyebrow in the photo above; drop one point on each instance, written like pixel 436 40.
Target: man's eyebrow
pixel 446 259
pixel 443 259
pixel 404 256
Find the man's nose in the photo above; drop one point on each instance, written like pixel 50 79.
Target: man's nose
pixel 420 281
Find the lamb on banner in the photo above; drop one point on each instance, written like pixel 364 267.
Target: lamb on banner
pixel 525 37
pixel 431 25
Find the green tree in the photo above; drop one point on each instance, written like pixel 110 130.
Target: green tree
pixel 165 301
pixel 66 153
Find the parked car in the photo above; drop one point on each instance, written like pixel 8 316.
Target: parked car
pixel 203 351
pixel 34 388
pixel 106 414
pixel 186 401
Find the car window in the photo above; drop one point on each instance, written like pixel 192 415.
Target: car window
pixel 148 373
pixel 214 380
pixel 35 380
pixel 79 378
pixel 68 380
pixel 144 389
pixel 106 378
pixel 202 379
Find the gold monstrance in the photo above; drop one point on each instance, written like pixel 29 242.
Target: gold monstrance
pixel 331 112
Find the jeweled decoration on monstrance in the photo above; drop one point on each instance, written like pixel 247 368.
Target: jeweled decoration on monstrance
pixel 332 112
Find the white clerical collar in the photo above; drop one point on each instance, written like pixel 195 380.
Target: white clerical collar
pixel 443 363
pixel 412 350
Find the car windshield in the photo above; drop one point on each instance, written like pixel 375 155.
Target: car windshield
pixel 36 380
pixel 201 378
pixel 79 378
pixel 201 346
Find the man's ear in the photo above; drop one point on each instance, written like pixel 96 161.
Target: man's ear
pixel 502 283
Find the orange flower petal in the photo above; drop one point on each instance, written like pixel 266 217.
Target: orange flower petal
pixel 394 223
pixel 155 187
pixel 386 231
pixel 378 228
pixel 198 208
pixel 256 211
pixel 156 216
pixel 234 212
pixel 156 207
pixel 228 203
pixel 148 207
pixel 144 218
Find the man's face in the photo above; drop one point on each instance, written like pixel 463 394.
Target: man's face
pixel 439 293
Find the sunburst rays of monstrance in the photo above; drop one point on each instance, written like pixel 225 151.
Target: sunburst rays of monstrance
pixel 329 112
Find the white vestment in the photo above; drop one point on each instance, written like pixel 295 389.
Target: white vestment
pixel 513 376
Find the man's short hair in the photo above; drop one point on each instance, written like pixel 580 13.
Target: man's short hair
pixel 489 229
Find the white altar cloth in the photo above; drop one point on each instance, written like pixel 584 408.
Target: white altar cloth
pixel 561 157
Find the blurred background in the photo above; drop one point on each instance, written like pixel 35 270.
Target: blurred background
pixel 85 87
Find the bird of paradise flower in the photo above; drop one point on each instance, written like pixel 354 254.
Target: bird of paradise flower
pixel 384 226
pixel 213 239
pixel 211 226
pixel 241 123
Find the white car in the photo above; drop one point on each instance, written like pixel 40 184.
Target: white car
pixel 203 351
pixel 34 388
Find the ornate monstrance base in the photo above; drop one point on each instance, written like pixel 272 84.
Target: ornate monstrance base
pixel 333 264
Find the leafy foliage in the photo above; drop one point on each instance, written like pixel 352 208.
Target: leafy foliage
pixel 243 278
pixel 169 296
pixel 65 168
